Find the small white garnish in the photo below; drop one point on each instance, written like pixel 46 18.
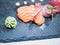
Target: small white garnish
pixel 25 2
pixel 42 27
pixel 17 4
pixel 32 0
pixel 41 0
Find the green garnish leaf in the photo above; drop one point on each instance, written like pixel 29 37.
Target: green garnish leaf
pixel 50 7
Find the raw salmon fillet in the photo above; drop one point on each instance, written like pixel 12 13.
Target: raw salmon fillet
pixel 39 19
pixel 27 13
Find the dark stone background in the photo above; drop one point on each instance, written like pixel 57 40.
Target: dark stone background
pixel 26 31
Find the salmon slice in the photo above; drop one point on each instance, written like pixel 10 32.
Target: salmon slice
pixel 39 19
pixel 26 13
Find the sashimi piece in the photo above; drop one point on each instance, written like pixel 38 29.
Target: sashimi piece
pixel 39 19
pixel 26 13
pixel 54 3
pixel 46 12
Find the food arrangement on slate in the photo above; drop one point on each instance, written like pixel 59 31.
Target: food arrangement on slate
pixel 22 20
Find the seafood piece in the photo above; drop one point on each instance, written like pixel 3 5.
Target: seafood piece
pixel 55 3
pixel 39 19
pixel 26 13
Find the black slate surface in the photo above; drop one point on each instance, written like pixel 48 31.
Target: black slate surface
pixel 26 31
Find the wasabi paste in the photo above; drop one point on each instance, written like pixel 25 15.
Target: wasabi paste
pixel 10 22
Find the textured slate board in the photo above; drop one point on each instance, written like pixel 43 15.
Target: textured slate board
pixel 26 31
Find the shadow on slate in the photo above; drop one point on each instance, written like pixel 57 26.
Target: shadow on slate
pixel 26 31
